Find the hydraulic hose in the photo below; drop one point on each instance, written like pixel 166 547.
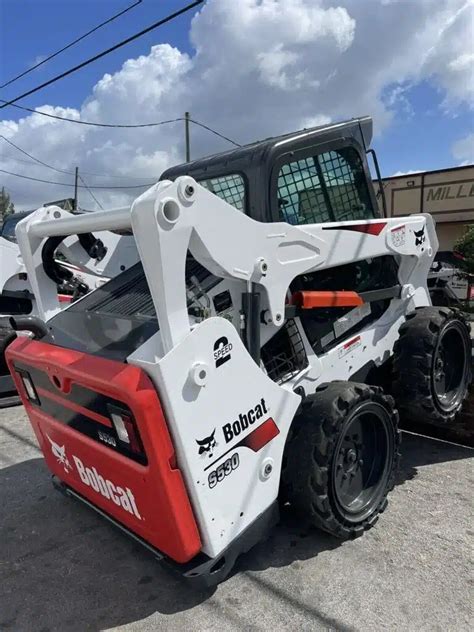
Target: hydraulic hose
pixel 29 323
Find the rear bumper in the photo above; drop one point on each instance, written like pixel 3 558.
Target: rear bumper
pixel 202 571
pixel 146 496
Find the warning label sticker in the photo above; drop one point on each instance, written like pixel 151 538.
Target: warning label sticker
pixel 349 347
pixel 398 236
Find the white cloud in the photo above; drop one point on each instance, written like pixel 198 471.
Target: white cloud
pixel 450 59
pixel 410 172
pixel 463 150
pixel 260 67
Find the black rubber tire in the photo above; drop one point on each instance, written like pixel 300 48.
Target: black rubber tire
pixel 415 355
pixel 9 398
pixel 5 334
pixel 309 463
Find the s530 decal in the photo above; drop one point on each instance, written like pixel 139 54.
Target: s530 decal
pixel 224 469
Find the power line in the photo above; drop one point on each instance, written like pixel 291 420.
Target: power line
pixel 70 120
pixel 128 126
pixel 45 164
pixel 153 26
pixel 96 28
pixel 213 131
pixel 67 184
pixel 90 193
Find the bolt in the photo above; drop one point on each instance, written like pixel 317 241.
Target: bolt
pixel 278 317
pixel 189 190
pixel 264 267
pixel 268 469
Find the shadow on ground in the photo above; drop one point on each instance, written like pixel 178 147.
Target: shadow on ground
pixel 63 567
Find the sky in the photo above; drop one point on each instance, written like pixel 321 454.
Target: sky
pixel 248 68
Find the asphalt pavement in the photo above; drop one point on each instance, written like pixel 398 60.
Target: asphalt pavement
pixel 62 567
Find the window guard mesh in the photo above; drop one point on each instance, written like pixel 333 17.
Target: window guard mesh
pixel 324 188
pixel 229 188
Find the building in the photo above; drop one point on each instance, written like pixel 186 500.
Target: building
pixel 447 194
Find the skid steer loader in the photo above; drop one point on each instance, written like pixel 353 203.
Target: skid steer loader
pixel 250 358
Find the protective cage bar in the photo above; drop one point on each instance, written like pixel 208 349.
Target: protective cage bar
pixel 284 355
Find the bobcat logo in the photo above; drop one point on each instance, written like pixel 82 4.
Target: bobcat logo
pixel 59 452
pixel 208 444
pixel 419 236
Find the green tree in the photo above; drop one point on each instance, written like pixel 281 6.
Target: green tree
pixel 6 205
pixel 465 247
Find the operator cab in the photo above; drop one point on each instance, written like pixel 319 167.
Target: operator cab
pixel 311 176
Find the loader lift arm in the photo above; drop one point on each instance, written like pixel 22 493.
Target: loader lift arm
pixel 174 217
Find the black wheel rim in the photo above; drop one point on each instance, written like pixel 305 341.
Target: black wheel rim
pixel 363 461
pixel 449 371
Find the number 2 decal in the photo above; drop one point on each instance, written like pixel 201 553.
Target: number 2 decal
pixel 226 468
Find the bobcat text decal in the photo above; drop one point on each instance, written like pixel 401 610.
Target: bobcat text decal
pixel 120 496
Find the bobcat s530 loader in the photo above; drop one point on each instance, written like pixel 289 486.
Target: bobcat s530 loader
pixel 252 355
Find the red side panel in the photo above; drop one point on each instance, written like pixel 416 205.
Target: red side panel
pixel 150 499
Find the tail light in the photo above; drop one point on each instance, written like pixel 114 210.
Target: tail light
pixel 125 428
pixel 28 386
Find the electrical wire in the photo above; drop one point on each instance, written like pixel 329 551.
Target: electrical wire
pixel 45 164
pixel 67 184
pixel 70 120
pixel 132 126
pixel 213 131
pixel 103 53
pixel 90 193
pixel 124 125
pixel 78 39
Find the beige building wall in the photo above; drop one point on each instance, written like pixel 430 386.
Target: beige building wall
pixel 448 195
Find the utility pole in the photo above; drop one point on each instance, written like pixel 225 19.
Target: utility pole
pixel 186 136
pixel 76 177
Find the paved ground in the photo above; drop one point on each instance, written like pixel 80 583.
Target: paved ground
pixel 63 568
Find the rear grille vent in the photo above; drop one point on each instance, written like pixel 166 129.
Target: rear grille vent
pixel 128 295
pixel 130 299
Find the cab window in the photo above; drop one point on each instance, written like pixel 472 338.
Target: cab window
pixel 230 188
pixel 327 187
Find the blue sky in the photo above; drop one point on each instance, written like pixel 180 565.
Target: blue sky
pixel 52 23
pixel 417 122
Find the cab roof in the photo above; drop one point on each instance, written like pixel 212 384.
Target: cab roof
pixel 234 160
